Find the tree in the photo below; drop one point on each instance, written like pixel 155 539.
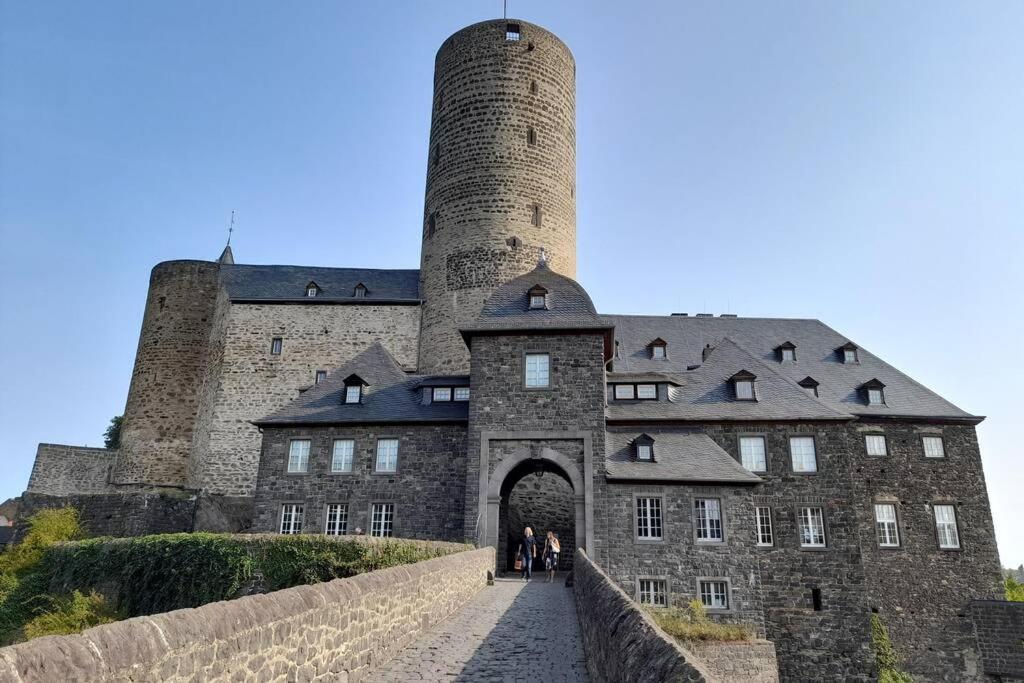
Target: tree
pixel 112 437
pixel 1014 589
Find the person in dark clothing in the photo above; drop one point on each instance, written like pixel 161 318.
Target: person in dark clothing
pixel 526 552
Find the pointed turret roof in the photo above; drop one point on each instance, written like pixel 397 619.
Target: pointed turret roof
pixel 226 257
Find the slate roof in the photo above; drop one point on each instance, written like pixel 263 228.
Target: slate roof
pixel 642 377
pixel 391 395
pixel 679 455
pixel 288 283
pixel 759 337
pixel 569 306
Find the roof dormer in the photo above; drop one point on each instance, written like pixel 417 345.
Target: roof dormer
pixel 353 389
pixel 872 392
pixel 643 449
pixel 360 291
pixel 658 349
pixel 848 353
pixel 810 385
pixel 312 289
pixel 537 298
pixel 786 352
pixel 743 386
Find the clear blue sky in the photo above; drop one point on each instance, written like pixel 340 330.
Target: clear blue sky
pixel 857 162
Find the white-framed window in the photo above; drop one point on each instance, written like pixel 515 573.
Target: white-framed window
pixel 933 447
pixel 652 592
pixel 647 391
pixel 812 527
pixel 291 518
pixel 461 393
pixel 353 393
pixel 849 355
pixel 321 375
pixel 648 519
pixel 360 291
pixel 341 455
pixel 382 519
pixel 803 454
pixel 707 519
pixel 512 32
pixel 945 526
pixel 538 301
pixel 875 444
pixel 337 519
pixel 538 370
pixel 658 351
pixel 744 390
pixel 885 525
pixel 387 455
pixel 275 346
pixel 311 290
pixel 875 397
pixel 788 354
pixel 644 451
pixel 624 392
pixel 298 455
pixel 763 519
pixel 752 453
pixel 442 394
pixel 714 595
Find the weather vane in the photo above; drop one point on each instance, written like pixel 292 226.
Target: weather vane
pixel 231 227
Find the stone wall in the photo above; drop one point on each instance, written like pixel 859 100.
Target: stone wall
pixel 737 662
pixel 252 383
pixel 119 514
pixel 544 503
pixel 64 470
pixel 502 139
pixel 622 643
pixel 170 364
pixel 428 490
pixel 340 630
pixel 999 626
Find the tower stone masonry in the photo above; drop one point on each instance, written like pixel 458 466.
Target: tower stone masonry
pixel 501 175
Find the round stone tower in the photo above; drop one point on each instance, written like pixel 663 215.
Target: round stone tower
pixel 501 175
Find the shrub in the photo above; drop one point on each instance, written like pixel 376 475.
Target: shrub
pixel 72 614
pixel 886 659
pixel 45 528
pixel 1014 589
pixel 692 623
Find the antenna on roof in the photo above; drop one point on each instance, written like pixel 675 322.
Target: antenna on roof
pixel 504 9
pixel 231 227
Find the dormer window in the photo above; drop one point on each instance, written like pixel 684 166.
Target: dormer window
pixel 786 352
pixel 658 348
pixel 360 291
pixel 538 297
pixel 312 289
pixel 353 389
pixel 848 353
pixel 442 394
pixel 643 448
pixel 810 385
pixel 743 386
pixel 873 393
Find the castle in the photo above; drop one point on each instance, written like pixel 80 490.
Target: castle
pixel 770 468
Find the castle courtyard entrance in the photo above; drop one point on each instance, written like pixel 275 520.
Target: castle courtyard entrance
pixel 539 495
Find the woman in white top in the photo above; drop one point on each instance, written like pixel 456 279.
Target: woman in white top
pixel 551 549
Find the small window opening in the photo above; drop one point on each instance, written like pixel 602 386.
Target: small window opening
pixel 275 346
pixel 437 153
pixel 531 136
pixel 533 88
pixel 321 375
pixel 431 224
pixel 816 599
pixel 537 215
pixel 512 32
pixel 360 291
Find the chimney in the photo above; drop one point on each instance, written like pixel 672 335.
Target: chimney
pixel 706 352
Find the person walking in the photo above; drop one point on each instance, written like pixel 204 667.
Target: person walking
pixel 526 552
pixel 551 550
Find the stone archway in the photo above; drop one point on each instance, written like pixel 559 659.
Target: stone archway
pixel 514 468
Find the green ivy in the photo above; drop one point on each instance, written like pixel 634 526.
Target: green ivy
pixel 886 659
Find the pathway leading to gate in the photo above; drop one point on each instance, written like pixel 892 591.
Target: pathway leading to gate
pixel 511 631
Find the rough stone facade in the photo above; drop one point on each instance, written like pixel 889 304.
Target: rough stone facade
pixel 501 175
pixel 427 490
pixel 119 514
pixel 69 470
pixel 252 382
pixel 339 630
pixel 544 503
pixel 999 626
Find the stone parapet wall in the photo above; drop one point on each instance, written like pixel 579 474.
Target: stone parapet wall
pixel 133 513
pixel 622 643
pixel 999 626
pixel 64 470
pixel 737 662
pixel 340 630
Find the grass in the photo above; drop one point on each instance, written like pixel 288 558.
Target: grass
pixel 692 623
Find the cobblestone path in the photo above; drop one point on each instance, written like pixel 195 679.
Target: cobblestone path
pixel 511 631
